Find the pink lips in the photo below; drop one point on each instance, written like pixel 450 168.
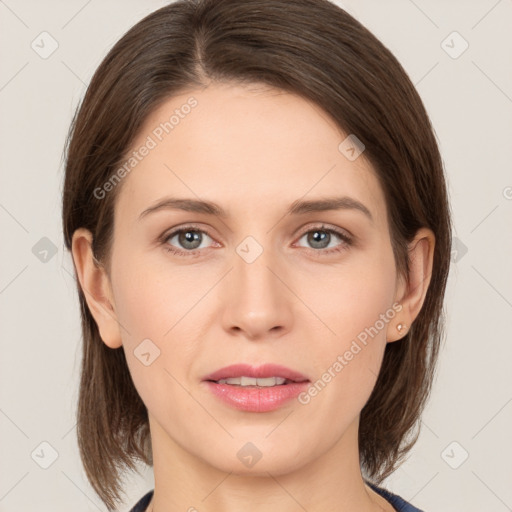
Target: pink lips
pixel 259 372
pixel 253 398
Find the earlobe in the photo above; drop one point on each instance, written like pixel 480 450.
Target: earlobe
pixel 412 296
pixel 95 284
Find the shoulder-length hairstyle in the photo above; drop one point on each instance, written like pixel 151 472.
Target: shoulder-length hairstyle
pixel 314 49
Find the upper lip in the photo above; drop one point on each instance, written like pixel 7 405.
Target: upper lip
pixel 259 372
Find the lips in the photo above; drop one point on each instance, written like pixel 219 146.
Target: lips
pixel 256 398
pixel 259 372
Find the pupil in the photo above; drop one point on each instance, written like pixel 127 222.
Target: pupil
pixel 189 237
pixel 318 237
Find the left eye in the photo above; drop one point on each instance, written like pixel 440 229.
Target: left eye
pixel 190 239
pixel 318 237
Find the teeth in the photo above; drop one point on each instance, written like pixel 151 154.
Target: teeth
pixel 251 381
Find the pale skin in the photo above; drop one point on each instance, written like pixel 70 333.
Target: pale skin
pixel 253 151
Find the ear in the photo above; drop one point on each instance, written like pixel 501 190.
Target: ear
pixel 411 294
pixel 95 284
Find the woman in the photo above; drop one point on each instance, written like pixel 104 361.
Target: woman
pixel 257 212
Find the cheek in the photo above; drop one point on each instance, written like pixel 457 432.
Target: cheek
pixel 155 308
pixel 350 298
pixel 150 312
pixel 356 304
pixel 148 300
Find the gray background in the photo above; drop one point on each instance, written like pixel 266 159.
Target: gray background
pixel 469 99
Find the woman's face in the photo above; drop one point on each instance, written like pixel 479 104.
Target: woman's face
pixel 259 285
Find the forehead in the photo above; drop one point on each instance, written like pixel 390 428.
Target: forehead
pixel 244 146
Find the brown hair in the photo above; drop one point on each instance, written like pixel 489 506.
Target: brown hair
pixel 311 48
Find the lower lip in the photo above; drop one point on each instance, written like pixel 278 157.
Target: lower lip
pixel 254 399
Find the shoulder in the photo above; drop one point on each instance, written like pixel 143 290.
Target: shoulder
pixel 396 501
pixel 142 504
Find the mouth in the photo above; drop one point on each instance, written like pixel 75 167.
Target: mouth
pixel 267 375
pixel 250 382
pixel 256 389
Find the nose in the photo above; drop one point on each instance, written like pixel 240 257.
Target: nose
pixel 257 301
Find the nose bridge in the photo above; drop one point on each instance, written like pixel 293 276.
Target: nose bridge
pixel 257 297
pixel 252 267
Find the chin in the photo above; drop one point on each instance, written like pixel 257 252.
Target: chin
pixel 254 459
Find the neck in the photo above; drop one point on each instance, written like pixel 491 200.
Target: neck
pixel 331 482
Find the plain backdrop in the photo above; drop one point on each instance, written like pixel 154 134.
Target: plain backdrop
pixel 463 458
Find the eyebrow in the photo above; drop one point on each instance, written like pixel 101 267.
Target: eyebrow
pixel 298 207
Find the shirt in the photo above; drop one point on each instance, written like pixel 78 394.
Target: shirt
pixel 398 503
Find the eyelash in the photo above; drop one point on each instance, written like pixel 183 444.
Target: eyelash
pixel 345 238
